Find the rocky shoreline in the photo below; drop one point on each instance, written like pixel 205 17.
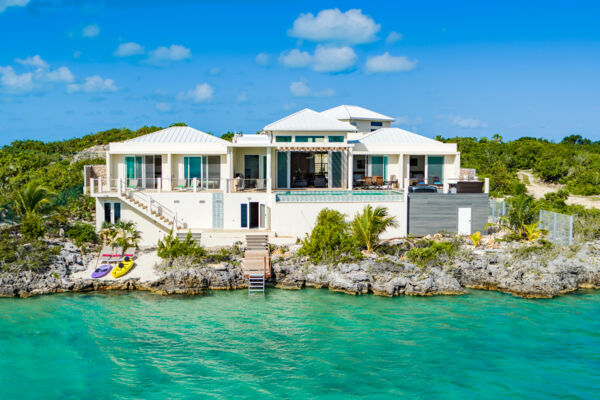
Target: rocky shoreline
pixel 514 268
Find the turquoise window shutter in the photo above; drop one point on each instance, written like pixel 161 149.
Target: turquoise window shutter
pixel 244 215
pixel 385 167
pixel 282 169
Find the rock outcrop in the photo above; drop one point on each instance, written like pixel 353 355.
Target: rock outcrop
pixel 517 269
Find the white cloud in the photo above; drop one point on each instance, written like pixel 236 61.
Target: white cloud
pixel 466 123
pixel 15 83
pixel 242 97
pixel 90 31
pixel 333 59
pixel 301 89
pixel 4 4
pixel 165 55
pixel 61 74
pixel 129 49
pixel 263 59
pixel 77 54
pixel 393 37
pixel 214 71
pixel 163 107
pixel 389 63
pixel 35 61
pixel 295 58
pixel 405 120
pixel 352 27
pixel 93 84
pixel 202 92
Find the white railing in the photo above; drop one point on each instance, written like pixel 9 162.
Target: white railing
pixel 153 206
pixel 103 185
pixel 248 184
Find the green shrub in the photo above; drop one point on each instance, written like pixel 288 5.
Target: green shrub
pixel 330 239
pixel 368 226
pixel 32 226
pixel 82 234
pixel 428 252
pixel 171 247
pixel 18 254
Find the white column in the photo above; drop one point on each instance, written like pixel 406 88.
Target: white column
pixel 91 186
pixel 350 164
pixel 486 185
pixel 229 174
pixel 108 176
pixel 268 171
pixel 169 185
pixel 426 173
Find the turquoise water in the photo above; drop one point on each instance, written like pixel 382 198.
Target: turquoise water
pixel 299 344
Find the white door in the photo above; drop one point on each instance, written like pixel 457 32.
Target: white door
pixel 464 221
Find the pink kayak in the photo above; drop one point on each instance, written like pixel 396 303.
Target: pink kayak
pixel 101 271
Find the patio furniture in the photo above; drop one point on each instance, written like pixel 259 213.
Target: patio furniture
pixel 132 184
pixel 105 254
pixel 436 180
pixel 378 181
pixel 182 184
pixel 320 181
pixel 129 253
pixel 393 182
pixel 368 182
pixel 117 255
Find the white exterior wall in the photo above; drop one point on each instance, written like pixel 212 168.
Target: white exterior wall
pixel 232 218
pixel 298 219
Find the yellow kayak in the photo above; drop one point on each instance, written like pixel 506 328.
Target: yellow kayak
pixel 122 268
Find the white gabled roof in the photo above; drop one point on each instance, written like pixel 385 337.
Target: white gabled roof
pixel 346 112
pixel 309 120
pixel 395 136
pixel 178 134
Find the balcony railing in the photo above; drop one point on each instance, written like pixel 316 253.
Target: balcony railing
pixel 103 185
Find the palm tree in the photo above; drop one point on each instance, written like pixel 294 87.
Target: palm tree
pixel 367 226
pixel 31 197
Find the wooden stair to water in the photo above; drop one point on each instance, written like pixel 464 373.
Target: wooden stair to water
pixel 257 262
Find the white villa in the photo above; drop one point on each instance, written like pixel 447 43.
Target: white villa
pixel 277 181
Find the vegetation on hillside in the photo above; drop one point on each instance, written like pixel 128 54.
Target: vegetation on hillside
pixel 573 162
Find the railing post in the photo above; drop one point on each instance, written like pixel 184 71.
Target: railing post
pixel 150 204
pixel 195 184
pixel 99 185
pixel 92 187
pixel 571 230
pixel 119 188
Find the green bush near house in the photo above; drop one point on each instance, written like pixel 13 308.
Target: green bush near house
pixel 171 247
pixel 429 252
pixel 368 226
pixel 330 240
pixel 82 234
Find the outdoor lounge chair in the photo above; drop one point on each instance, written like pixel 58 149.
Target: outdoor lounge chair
pixel 378 181
pixel 182 184
pixel 129 253
pixel 117 255
pixel 368 182
pixel 133 184
pixel 106 255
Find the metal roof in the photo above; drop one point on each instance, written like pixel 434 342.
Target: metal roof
pixel 346 112
pixel 395 136
pixel 178 134
pixel 309 120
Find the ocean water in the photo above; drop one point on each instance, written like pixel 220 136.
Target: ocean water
pixel 299 344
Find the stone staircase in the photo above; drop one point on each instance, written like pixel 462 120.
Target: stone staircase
pixel 196 236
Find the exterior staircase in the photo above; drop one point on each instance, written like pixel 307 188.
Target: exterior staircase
pixel 196 236
pixel 257 262
pixel 145 204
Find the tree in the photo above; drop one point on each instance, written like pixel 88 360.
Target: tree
pixel 121 234
pixel 368 226
pixel 330 239
pixel 30 199
pixel 228 136
pixel 497 138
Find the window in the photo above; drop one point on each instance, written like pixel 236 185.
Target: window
pixel 336 139
pixel 321 163
pixel 112 212
pixel 376 123
pixel 192 167
pixel 283 139
pixel 414 161
pixel 309 139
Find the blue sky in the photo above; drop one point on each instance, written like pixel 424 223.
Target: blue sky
pixel 68 68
